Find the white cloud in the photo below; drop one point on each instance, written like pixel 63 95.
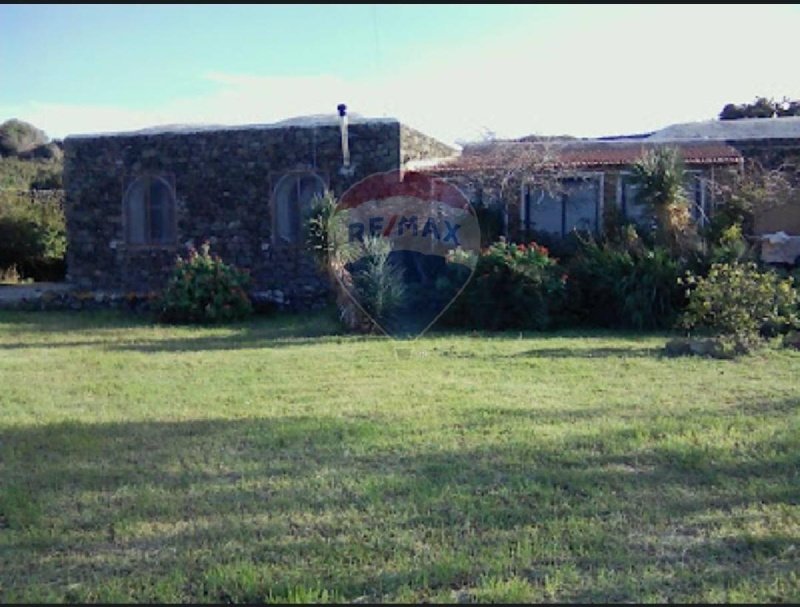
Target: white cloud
pixel 237 99
pixel 613 70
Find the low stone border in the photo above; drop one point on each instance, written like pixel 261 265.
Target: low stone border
pixel 702 346
pixel 74 299
pixel 62 297
pixel 719 348
pixel 276 300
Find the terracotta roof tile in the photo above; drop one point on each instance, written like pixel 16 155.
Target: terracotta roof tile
pixel 577 154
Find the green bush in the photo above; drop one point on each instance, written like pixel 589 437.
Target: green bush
pixel 624 285
pixel 203 289
pixel 514 286
pixel 731 246
pixel 45 151
pixel 17 174
pixel 737 300
pixel 17 136
pixel 33 234
pixel 32 225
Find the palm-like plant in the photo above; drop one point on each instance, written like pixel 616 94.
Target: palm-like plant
pixel 378 282
pixel 660 175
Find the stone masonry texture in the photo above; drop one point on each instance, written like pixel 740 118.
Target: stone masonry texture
pixel 224 180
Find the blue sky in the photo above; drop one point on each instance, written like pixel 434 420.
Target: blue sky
pixel 452 71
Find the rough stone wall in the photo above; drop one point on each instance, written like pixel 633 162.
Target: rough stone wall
pixel 224 181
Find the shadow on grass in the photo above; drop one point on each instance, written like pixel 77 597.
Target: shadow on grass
pixel 347 505
pixel 49 321
pixel 278 330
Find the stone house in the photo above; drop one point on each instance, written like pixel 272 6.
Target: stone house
pixel 774 143
pixel 135 200
pixel 545 190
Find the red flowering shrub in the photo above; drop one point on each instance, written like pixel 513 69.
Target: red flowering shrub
pixel 516 286
pixel 203 289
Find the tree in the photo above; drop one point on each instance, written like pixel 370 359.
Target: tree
pixel 755 190
pixel 762 107
pixel 18 137
pixel 496 170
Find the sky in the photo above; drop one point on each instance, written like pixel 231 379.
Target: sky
pixel 457 72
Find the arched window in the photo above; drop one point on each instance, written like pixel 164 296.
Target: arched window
pixel 149 211
pixel 292 197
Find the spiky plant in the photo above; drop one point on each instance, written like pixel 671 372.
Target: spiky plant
pixel 378 281
pixel 660 175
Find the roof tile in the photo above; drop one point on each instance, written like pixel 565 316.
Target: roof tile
pixel 577 154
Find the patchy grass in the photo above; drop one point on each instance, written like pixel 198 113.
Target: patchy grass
pixel 277 461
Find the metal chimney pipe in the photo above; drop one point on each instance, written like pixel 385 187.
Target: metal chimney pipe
pixel 343 127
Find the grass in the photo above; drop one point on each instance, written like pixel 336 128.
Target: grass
pixel 278 461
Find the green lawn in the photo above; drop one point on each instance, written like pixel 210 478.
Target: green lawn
pixel 278 460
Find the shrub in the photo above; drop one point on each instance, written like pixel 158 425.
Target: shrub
pixel 33 234
pixel 17 174
pixel 737 300
pixel 17 136
pixel 515 286
pixel 318 229
pixel 45 151
pixel 203 289
pixel 377 281
pixel 624 285
pixel 731 246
